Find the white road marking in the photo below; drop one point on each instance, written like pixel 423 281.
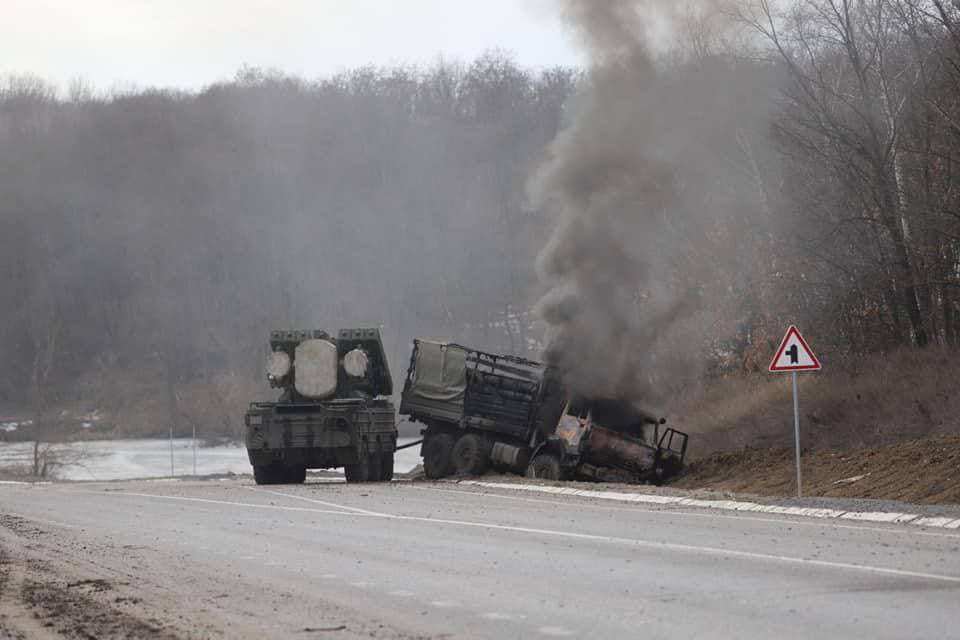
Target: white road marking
pixel 669 511
pixel 635 542
pixel 498 615
pixel 558 632
pixel 935 522
pixel 329 576
pixel 879 516
pixel 729 505
pixel 226 502
pixel 400 593
pixel 444 604
pixel 360 585
pixel 305 499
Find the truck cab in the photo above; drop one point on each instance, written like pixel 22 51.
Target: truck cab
pixel 582 447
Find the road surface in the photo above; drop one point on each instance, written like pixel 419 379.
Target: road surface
pixel 411 560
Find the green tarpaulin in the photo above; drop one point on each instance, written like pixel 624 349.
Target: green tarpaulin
pixel 440 373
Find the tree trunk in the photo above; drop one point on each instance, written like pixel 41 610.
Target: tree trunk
pixel 904 270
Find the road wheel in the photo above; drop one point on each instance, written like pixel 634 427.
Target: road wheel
pixel 374 460
pixel 359 472
pixel 386 467
pixel 266 474
pixel 470 455
pixel 296 475
pixel 545 466
pixel 437 452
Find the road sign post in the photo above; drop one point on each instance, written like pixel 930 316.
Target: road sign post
pixel 795 355
pixel 796 435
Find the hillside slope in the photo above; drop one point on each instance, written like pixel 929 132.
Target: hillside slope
pixel 869 402
pixel 923 471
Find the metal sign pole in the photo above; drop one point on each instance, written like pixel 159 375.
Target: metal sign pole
pixel 171 452
pixel 194 450
pixel 794 355
pixel 796 432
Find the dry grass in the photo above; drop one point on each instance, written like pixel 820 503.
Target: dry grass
pixel 903 395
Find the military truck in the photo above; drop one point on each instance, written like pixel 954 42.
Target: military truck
pixel 333 411
pixel 481 410
pixel 607 440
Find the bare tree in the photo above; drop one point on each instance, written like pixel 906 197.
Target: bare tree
pixel 847 108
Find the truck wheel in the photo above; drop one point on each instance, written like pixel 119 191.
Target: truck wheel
pixel 437 452
pixel 470 455
pixel 359 472
pixel 545 466
pixel 386 467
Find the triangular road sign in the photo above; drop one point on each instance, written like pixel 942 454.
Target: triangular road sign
pixel 794 354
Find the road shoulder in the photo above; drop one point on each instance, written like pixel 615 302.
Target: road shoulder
pixel 42 596
pixel 939 517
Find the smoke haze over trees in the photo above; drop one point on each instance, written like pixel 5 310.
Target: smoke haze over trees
pixel 150 241
pixel 795 162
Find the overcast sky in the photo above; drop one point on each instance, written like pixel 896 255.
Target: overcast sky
pixel 190 43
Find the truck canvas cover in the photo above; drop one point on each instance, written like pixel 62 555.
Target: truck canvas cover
pixel 439 379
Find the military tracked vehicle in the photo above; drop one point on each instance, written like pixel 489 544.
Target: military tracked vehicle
pixel 333 410
pixel 481 409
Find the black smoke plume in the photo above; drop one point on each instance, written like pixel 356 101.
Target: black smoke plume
pixel 626 180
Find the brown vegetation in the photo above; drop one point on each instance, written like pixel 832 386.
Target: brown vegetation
pixel 864 402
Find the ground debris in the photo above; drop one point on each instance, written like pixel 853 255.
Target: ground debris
pixel 35 602
pixel 71 613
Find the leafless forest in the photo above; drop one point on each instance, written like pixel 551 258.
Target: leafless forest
pixel 800 165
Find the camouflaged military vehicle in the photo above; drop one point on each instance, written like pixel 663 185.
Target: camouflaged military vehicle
pixel 333 411
pixel 481 409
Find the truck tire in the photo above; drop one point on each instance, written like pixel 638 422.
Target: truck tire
pixel 359 472
pixel 386 467
pixel 470 455
pixel 545 466
pixel 437 455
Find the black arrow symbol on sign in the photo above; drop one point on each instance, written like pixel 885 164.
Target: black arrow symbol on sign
pixel 794 355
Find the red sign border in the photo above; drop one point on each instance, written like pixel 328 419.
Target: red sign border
pixel 816 366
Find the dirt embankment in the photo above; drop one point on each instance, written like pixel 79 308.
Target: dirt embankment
pixel 882 426
pixel 923 471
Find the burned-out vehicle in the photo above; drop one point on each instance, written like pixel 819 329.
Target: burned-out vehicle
pixel 334 409
pixel 484 410
pixel 584 445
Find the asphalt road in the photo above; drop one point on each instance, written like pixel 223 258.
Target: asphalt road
pixel 227 558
